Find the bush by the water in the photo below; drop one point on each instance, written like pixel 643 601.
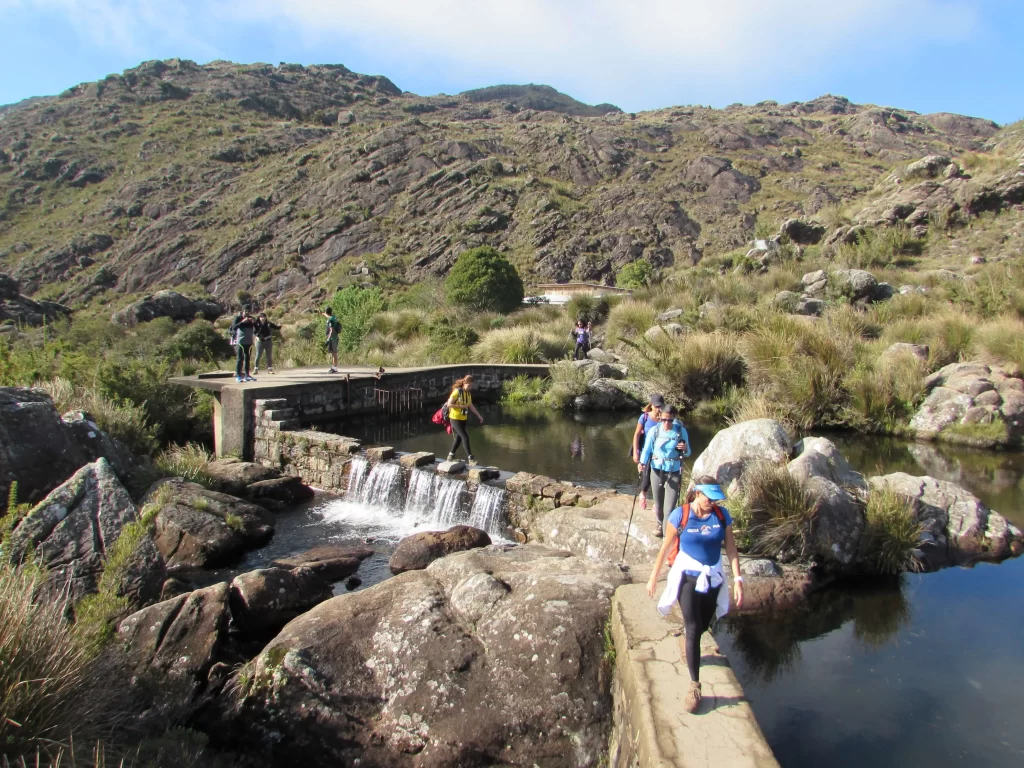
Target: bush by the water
pixel 893 534
pixel 483 279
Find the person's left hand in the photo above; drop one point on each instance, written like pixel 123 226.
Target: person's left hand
pixel 737 591
pixel 481 418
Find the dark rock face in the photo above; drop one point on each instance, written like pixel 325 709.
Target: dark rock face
pixel 95 443
pixel 167 304
pixel 330 562
pixel 72 530
pixel 803 232
pixel 173 645
pixel 196 527
pixel 279 494
pixel 35 448
pixel 484 658
pixel 234 475
pixel 265 600
pixel 16 308
pixel 416 552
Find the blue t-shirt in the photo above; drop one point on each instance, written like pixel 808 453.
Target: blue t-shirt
pixel 648 422
pixel 702 540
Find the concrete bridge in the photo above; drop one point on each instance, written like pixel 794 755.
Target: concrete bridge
pixel 309 396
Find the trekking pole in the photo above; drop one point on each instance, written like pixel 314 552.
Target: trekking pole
pixel 630 523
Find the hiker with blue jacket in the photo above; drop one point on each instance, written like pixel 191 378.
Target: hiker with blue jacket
pixel 664 449
pixel 243 331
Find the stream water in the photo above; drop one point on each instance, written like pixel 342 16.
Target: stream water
pixel 925 670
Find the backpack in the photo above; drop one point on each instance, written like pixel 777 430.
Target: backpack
pixel 441 418
pixel 674 549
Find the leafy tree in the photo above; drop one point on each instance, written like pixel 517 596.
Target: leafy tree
pixel 355 307
pixel 636 274
pixel 484 280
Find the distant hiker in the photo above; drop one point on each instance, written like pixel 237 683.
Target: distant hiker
pixel 581 333
pixel 693 542
pixel 265 341
pixel 664 449
pixel 647 421
pixel 243 333
pixel 331 345
pixel 460 403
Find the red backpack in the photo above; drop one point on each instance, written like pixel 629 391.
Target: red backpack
pixel 674 549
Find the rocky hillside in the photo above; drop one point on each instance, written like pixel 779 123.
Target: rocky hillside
pixel 279 180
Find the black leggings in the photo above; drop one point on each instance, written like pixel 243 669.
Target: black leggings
pixel 243 356
pixel 580 353
pixel 698 611
pixel 461 435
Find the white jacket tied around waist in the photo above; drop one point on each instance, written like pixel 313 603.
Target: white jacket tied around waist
pixel 710 576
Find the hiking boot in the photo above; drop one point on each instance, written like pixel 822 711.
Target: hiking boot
pixel 692 701
pixel 255 371
pixel 660 533
pixel 451 457
pixel 332 369
pixel 239 379
pixel 270 370
pixel 472 461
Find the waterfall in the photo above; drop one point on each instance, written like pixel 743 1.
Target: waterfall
pixel 381 487
pixel 448 501
pixel 419 499
pixel 356 477
pixel 487 512
pixel 434 499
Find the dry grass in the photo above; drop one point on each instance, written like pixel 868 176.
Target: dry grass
pixel 893 534
pixel 520 345
pixel 123 421
pixel 778 512
pixel 629 319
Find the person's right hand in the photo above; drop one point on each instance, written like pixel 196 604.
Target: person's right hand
pixel 652 584
pixel 640 469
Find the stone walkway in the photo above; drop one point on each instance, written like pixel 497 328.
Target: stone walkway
pixel 653 729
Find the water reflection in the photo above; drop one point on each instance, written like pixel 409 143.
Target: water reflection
pixel 878 610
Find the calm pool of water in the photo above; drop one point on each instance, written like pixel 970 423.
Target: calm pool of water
pixel 927 670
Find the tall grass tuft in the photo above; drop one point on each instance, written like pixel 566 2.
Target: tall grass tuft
pixel 885 394
pixel 1003 340
pixel 524 389
pixel 694 367
pixel 780 512
pixel 187 461
pixel 891 246
pixel 893 534
pixel 629 320
pixel 52 684
pixel 121 420
pixel 520 346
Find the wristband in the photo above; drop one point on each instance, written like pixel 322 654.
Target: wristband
pixel 738 579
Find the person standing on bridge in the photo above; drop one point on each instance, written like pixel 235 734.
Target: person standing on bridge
pixel 664 449
pixel 460 403
pixel 647 421
pixel 331 344
pixel 693 542
pixel 265 342
pixel 243 332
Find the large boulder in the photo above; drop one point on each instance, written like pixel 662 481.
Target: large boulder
pixel 972 393
pixel 73 530
pixel 803 232
pixel 197 527
pixel 331 562
pixel 958 528
pixel 614 395
pixel 167 304
pixel 416 552
pixel 596 370
pixel 95 443
pixel 854 284
pixel 36 450
pixel 486 657
pixel 280 493
pixel 173 645
pixel 265 600
pixel 740 446
pixel 22 310
pixel 234 475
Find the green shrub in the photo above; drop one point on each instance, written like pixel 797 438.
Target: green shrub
pixel 636 274
pixel 355 307
pixel 885 395
pixel 199 340
pixel 121 419
pixel 889 246
pixel 448 343
pixel 187 461
pixel 694 367
pixel 587 308
pixel 402 324
pixel 892 534
pixel 567 383
pixel 1003 340
pixel 524 389
pixel 483 279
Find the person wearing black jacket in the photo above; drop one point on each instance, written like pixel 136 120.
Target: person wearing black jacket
pixel 243 332
pixel 265 342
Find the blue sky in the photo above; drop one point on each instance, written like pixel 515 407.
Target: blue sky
pixel 925 55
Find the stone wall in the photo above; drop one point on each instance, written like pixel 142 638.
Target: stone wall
pixel 319 458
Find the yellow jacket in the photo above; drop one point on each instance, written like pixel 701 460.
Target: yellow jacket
pixel 458 404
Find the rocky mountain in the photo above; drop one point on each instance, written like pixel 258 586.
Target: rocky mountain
pixel 279 180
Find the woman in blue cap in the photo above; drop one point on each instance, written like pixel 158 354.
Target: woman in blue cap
pixel 693 542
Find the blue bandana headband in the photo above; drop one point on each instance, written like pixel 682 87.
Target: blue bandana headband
pixel 713 492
